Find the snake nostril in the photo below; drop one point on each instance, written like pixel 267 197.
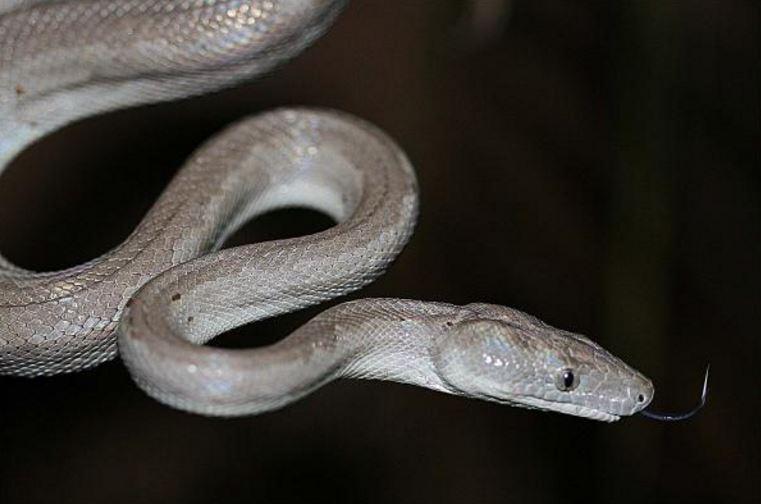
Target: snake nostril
pixel 641 398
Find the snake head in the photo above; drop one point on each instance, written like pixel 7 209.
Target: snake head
pixel 507 356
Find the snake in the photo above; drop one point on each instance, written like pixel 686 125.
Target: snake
pixel 170 287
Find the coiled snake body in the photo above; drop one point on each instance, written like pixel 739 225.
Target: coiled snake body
pixel 168 288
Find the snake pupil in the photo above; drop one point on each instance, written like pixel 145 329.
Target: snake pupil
pixel 568 379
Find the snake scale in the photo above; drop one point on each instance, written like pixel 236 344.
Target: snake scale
pixel 168 288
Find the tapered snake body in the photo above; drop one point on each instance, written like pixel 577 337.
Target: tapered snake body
pixel 168 288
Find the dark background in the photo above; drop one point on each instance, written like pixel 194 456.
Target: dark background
pixel 593 163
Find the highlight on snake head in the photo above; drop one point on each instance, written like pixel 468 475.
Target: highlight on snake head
pixel 512 358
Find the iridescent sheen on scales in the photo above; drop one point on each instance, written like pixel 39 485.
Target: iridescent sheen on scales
pixel 168 288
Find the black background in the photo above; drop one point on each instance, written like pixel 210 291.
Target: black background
pixel 592 163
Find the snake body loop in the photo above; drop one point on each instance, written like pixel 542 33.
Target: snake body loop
pixel 167 289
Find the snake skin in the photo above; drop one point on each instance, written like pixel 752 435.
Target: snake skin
pixel 168 288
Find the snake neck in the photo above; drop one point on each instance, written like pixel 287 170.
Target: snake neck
pixel 390 339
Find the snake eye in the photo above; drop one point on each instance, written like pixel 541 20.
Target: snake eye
pixel 566 380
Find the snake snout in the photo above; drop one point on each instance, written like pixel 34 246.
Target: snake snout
pixel 642 394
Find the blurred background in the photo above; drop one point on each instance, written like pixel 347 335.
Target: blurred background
pixel 592 163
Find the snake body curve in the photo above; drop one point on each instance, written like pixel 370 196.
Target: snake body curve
pixel 167 288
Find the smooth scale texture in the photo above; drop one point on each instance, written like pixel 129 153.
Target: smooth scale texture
pixel 167 288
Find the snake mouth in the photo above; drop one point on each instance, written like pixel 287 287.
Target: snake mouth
pixel 561 407
pixel 584 412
